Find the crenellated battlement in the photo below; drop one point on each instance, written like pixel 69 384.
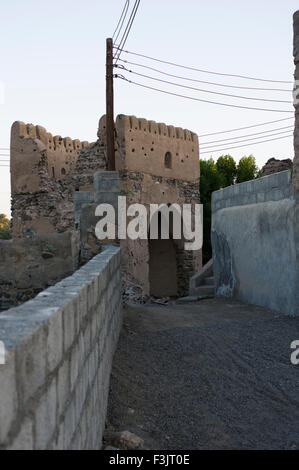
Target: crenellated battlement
pixel 155 148
pixel 30 131
pixel 153 127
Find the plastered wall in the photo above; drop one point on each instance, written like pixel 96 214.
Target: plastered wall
pixel 296 132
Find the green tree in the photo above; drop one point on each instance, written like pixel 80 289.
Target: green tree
pixel 227 167
pixel 4 227
pixel 247 169
pixel 210 180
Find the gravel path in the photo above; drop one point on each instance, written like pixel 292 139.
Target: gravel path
pixel 211 375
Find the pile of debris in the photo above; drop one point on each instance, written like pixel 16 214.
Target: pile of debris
pixel 132 293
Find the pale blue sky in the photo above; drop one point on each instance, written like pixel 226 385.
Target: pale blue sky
pixel 53 55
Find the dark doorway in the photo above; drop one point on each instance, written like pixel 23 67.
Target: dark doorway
pixel 162 268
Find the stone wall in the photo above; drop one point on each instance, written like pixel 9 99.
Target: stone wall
pixel 30 265
pixel 59 349
pixel 255 240
pixel 296 133
pixel 274 165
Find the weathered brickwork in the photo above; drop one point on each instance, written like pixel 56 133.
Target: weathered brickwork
pixel 52 179
pixel 45 173
pixel 147 189
pixel 59 351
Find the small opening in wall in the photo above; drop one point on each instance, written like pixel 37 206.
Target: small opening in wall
pixel 53 171
pixel 168 160
pixel 63 171
pixel 133 150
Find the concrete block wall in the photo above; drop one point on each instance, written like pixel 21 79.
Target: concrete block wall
pixel 255 240
pixel 59 349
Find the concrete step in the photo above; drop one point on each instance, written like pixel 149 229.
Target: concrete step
pixel 204 291
pixel 208 281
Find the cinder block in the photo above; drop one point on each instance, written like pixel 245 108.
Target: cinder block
pixel 70 321
pixel 54 341
pixel 45 417
pixel 32 362
pixel 63 386
pixel 69 425
pixel 74 366
pixel 8 395
pixel 24 439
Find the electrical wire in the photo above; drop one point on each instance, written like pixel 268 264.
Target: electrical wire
pixel 121 19
pixel 246 145
pixel 203 81
pixel 247 135
pixel 201 89
pixel 120 48
pixel 201 100
pixel 243 140
pixel 246 127
pixel 128 27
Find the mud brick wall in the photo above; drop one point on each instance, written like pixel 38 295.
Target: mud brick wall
pixel 30 265
pixel 45 173
pixel 59 350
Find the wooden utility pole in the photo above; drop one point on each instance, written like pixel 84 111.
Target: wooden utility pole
pixel 110 106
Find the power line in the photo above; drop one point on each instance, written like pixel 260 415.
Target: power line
pixel 247 135
pixel 201 100
pixel 246 145
pixel 203 81
pixel 244 140
pixel 128 27
pixel 121 19
pixel 203 90
pixel 246 127
pixel 120 48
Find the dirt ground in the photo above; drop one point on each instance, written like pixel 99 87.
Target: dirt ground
pixel 215 374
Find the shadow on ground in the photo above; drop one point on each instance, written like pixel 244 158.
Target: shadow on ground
pixel 211 375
